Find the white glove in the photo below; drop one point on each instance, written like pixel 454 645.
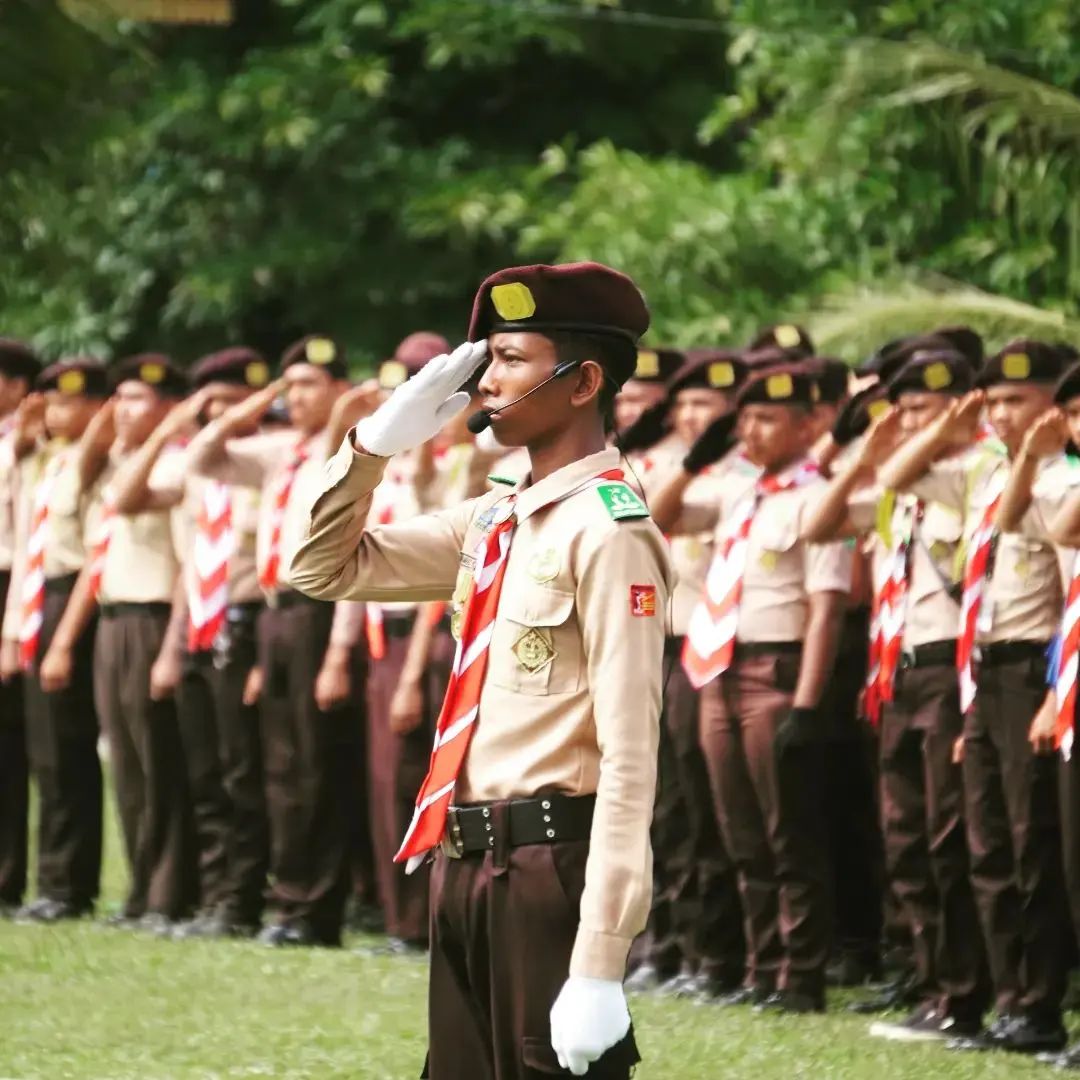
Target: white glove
pixel 589 1016
pixel 418 409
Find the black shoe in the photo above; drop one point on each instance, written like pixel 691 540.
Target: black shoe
pixel 745 995
pixel 394 946
pixel 290 935
pixel 853 969
pixel 928 1023
pixel 791 1002
pixel 55 911
pixel 121 920
pixel 1018 1035
pixel 31 912
pixel 901 995
pixel 213 927
pixel 645 979
pixel 155 924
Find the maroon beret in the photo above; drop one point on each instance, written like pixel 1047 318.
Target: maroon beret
pixel 715 369
pixel 767 357
pixel 75 375
pixel 793 341
pixel 889 358
pixel 238 366
pixel 410 356
pixel 1023 360
pixel 790 385
pixel 17 360
pixel 937 371
pixel 154 369
pixel 319 350
pixel 831 376
pixel 657 365
pixel 586 298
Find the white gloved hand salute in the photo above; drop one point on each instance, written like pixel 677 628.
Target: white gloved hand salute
pixel 588 1018
pixel 418 409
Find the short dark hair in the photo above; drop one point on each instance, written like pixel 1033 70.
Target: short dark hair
pixel 608 352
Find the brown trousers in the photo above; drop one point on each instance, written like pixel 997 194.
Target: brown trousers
pixel 696 917
pixel 313 765
pixel 14 787
pixel 147 761
pixel 223 753
pixel 397 765
pixel 61 743
pixel 770 809
pixel 925 841
pixel 1014 841
pixel 501 937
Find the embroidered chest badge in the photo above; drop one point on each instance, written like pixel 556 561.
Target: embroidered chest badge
pixel 544 565
pixel 533 651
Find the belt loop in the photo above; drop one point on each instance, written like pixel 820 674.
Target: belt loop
pixel 500 831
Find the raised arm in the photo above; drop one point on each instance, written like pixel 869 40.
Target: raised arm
pixel 1047 436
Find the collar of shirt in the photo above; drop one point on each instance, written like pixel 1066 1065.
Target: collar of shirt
pixel 563 480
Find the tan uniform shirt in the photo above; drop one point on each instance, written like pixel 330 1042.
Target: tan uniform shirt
pixel 1055 485
pixel 1023 598
pixel 7 495
pixel 584 721
pixel 931 612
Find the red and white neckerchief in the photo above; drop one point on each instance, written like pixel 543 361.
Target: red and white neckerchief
pixel 215 545
pixel 976 568
pixel 269 575
pixel 99 548
pixel 889 612
pixel 461 706
pixel 710 638
pixel 1065 685
pixel 33 582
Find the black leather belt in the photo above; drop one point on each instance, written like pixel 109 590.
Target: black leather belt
pixel 62 583
pixel 746 650
pixel 543 820
pixel 1008 652
pixel 129 607
pixel 290 598
pixel 932 654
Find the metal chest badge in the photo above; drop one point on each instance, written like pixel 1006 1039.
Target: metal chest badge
pixel 494 515
pixel 533 651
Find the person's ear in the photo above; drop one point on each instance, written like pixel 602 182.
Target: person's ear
pixel 590 381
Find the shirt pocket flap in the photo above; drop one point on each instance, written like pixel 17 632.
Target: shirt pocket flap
pixel 776 536
pixel 939 523
pixel 537 607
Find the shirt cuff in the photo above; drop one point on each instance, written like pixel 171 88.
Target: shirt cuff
pixel 598 955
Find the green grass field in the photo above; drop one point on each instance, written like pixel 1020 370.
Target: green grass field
pixel 98 1004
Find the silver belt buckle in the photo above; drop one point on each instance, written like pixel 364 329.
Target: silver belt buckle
pixel 451 844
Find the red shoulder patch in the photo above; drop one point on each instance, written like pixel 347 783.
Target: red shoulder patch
pixel 642 600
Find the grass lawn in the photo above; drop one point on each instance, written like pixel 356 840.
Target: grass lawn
pixel 85 1001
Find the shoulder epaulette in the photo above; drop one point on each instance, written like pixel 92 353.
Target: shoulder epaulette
pixel 621 502
pixel 504 480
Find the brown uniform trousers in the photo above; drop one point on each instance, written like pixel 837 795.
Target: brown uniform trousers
pixel 771 814
pixel 223 753
pixel 14 803
pixel 313 763
pixel 397 765
pixel 147 761
pixel 489 1005
pixel 61 743
pixel 696 917
pixel 1014 837
pixel 925 842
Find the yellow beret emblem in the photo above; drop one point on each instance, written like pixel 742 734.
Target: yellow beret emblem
pixel 787 337
pixel 721 375
pixel 648 364
pixel 320 350
pixel 256 373
pixel 71 382
pixel 936 376
pixel 513 301
pixel 877 409
pixel 392 374
pixel 152 373
pixel 1016 365
pixel 779 387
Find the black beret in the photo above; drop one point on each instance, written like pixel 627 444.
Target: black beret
pixel 791 385
pixel 75 375
pixel 714 369
pixel 937 371
pixel 319 350
pixel 858 412
pixel 965 341
pixel 17 360
pixel 1023 360
pixel 154 369
pixel 831 376
pixel 237 366
pixel 1069 385
pixel 893 355
pixel 793 341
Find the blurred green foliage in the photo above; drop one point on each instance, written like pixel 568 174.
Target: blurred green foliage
pixel 358 166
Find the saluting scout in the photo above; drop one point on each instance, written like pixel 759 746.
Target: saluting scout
pixel 540 789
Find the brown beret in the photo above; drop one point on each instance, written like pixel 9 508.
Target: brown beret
pixel 793 341
pixel 657 365
pixel 320 351
pixel 791 385
pixel 1023 360
pixel 410 356
pixel 586 298
pixel 154 369
pixel 18 360
pixel 715 369
pixel 831 376
pixel 936 371
pixel 965 341
pixel 893 355
pixel 75 375
pixel 238 366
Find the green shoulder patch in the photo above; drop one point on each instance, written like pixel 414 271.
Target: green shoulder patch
pixel 504 480
pixel 621 502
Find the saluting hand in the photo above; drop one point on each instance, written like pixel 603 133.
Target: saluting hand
pixel 100 433
pixel 184 415
pixel 29 423
pixel 1047 436
pixel 959 424
pixel 881 440
pixel 247 413
pixel 713 443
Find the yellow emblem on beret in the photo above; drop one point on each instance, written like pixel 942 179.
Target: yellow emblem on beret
pixel 152 373
pixel 787 337
pixel 877 408
pixel 256 373
pixel 721 375
pixel 71 382
pixel 1016 365
pixel 392 374
pixel 648 364
pixel 779 386
pixel 937 376
pixel 513 301
pixel 320 350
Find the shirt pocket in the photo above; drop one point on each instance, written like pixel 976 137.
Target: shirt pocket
pixel 941 532
pixel 1020 562
pixel 772 553
pixel 536 644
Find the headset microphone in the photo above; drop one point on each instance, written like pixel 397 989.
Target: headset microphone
pixel 481 420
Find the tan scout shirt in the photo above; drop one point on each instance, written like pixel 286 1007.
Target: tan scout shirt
pixel 143 557
pixel 586 720
pixel 1023 597
pixel 7 496
pixel 1056 484
pixel 931 612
